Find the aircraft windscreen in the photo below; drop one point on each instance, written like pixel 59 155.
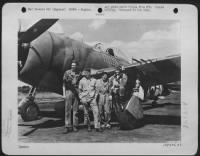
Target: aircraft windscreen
pixel 119 53
pixel 110 50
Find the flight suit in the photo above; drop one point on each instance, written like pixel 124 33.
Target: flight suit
pixel 70 80
pixel 118 84
pixel 88 96
pixel 102 89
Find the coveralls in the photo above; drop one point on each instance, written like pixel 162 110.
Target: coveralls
pixel 70 80
pixel 118 83
pixel 88 96
pixel 102 88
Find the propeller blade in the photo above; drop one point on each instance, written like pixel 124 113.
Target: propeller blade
pixel 36 30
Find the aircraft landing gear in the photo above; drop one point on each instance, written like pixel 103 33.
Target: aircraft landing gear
pixel 27 108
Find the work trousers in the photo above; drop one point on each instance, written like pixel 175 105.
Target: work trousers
pixel 104 107
pixel 116 102
pixel 95 111
pixel 71 105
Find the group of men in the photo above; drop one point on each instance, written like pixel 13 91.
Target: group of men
pixel 93 94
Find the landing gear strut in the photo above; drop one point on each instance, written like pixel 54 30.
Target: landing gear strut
pixel 27 108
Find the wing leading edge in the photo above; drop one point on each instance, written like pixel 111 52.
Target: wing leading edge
pixel 157 71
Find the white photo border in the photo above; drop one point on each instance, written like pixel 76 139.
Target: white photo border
pixel 187 15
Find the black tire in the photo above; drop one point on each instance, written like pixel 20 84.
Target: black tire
pixel 30 112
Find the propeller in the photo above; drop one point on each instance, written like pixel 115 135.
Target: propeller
pixel 24 38
pixel 36 30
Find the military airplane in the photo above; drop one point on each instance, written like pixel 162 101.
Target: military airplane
pixel 44 56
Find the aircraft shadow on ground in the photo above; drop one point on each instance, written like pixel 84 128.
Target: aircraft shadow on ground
pixel 51 124
pixel 148 119
pixel 46 124
pixel 174 87
pixel 152 106
pixel 161 120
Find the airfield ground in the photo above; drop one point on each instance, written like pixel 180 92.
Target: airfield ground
pixel 162 123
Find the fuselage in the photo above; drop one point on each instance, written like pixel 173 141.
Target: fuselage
pixel 51 55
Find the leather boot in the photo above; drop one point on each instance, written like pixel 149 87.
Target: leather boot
pixel 85 119
pixel 89 127
pixel 66 130
pixel 75 129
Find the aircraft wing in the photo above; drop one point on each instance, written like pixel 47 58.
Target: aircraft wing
pixel 159 70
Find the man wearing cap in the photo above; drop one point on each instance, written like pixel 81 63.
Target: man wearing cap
pixel 118 83
pixel 70 92
pixel 102 88
pixel 87 95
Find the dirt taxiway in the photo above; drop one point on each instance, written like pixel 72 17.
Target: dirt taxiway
pixel 162 123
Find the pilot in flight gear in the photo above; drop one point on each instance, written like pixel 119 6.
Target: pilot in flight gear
pixel 118 83
pixel 102 88
pixel 70 92
pixel 87 95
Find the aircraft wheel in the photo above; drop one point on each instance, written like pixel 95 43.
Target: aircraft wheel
pixel 30 112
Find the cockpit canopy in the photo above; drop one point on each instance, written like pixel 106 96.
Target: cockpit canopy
pixel 110 51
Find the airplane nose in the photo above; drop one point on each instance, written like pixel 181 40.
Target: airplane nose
pixel 31 34
pixel 35 59
pixel 23 49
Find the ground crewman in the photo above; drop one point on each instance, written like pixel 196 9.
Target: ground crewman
pixel 88 97
pixel 118 83
pixel 102 88
pixel 70 92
